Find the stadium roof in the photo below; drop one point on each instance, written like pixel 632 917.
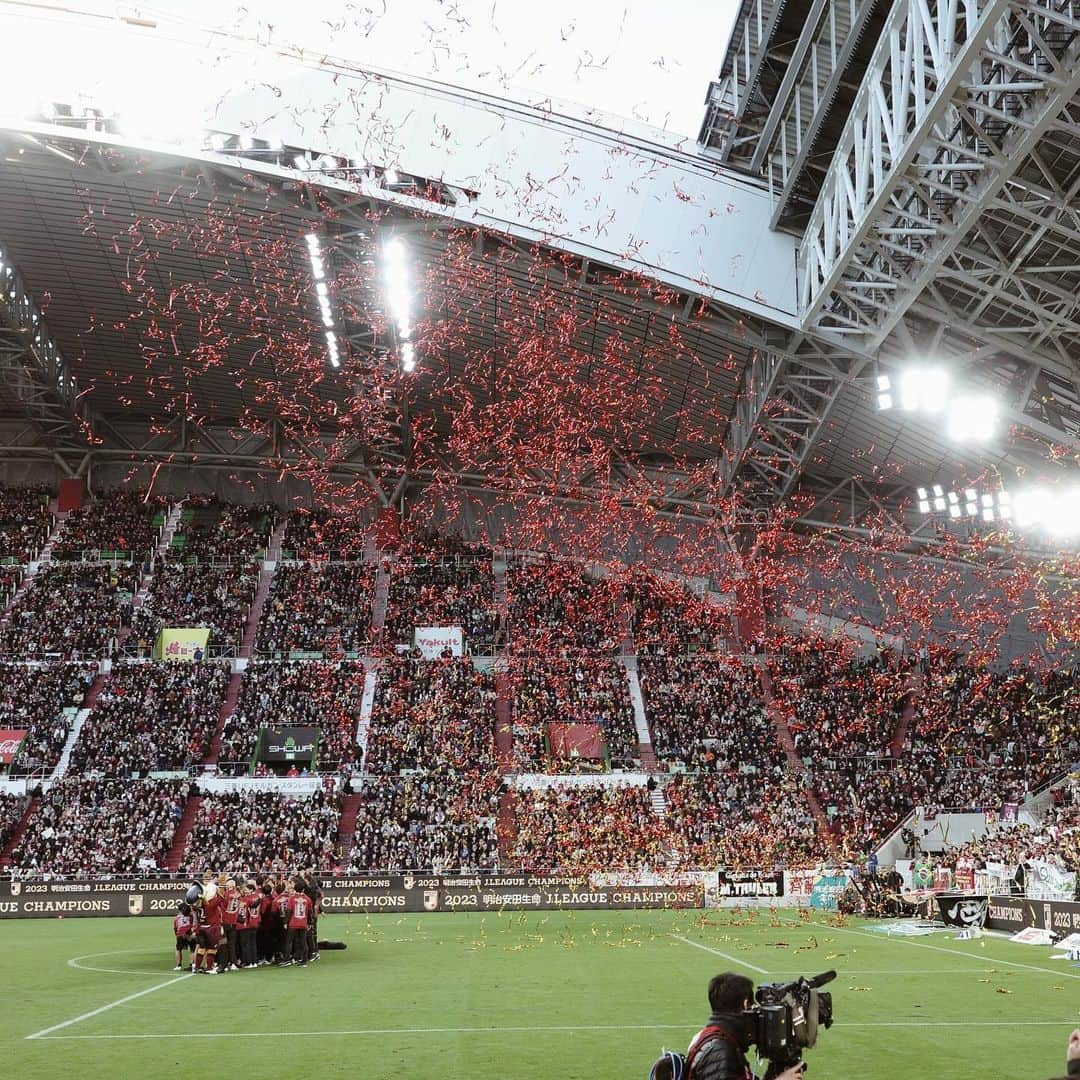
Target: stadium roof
pixel 777 407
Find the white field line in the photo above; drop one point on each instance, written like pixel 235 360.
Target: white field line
pixel 689 1028
pixel 996 961
pixel 717 952
pixel 45 1032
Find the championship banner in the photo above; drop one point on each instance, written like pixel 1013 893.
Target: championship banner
pixel 180 643
pixel 293 744
pixel 1014 913
pixel 433 641
pixel 10 739
pixel 35 899
pixel 963 912
pixel 749 884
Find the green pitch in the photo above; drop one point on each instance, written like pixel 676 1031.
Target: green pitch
pixel 573 996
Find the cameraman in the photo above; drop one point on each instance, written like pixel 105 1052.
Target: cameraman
pixel 718 1051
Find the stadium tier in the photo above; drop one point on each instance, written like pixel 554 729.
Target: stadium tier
pixel 445 475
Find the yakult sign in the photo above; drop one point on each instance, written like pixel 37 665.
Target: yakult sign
pixel 433 641
pixel 10 738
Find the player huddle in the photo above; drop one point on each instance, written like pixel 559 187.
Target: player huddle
pixel 265 920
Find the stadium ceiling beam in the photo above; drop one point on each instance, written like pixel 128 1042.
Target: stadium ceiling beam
pixel 955 99
pixel 36 375
pixel 781 410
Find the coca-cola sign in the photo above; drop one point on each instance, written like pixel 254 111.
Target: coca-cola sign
pixel 10 738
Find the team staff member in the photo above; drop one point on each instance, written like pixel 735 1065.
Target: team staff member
pixel 184 931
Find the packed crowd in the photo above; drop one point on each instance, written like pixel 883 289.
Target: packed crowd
pixel 999 735
pixel 434 821
pixel 214 595
pixel 432 715
pixel 743 817
pixel 215 531
pixel 33 698
pixel 297 694
pixel 118 522
pixel 151 718
pixel 319 609
pixel 705 712
pixel 557 609
pixel 579 829
pixel 25 523
pixel 575 690
pixel 264 831
pixel 100 827
pixel 452 590
pixel 71 613
pixel 323 534
pixel 12 808
pixel 669 620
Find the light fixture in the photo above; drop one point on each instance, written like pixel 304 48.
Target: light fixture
pixel 398 296
pixel 322 294
pixel 924 389
pixel 884 398
pixel 972 418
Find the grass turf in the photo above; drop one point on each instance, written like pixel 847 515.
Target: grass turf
pixel 552 994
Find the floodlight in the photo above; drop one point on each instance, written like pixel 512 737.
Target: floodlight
pixel 408 356
pixel 939 490
pixel 988 515
pixel 921 493
pixel 884 402
pixel 317 268
pixel 939 503
pixel 1065 520
pixel 1032 507
pixel 924 389
pixel 391 176
pixel 953 498
pixel 954 511
pixel 883 382
pixel 972 418
pixel 321 290
pixel 988 500
pixel 312 241
pixel 924 506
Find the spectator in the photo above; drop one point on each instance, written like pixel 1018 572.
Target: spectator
pixel 151 718
pixel 41 700
pixel 320 610
pixel 118 523
pixel 264 832
pixel 297 694
pixel 101 827
pixel 71 613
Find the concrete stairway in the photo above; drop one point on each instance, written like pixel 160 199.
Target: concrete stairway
pixel 382 597
pixel 367 703
pixel 228 707
pixel 183 831
pixel 76 728
pixel 795 764
pixel 262 591
pixel 659 802
pixel 16 836
pixel 504 732
pixel 506 829
pixel 500 594
pixel 646 754
pixel 915 687
pixel 347 826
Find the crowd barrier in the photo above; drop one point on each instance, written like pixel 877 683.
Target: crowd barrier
pixel 1012 913
pixel 38 899
pixel 416 892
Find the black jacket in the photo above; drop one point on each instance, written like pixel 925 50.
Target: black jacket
pixel 723 1059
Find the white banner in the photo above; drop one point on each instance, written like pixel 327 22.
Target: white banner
pixel 433 641
pixel 1047 882
pixel 284 785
